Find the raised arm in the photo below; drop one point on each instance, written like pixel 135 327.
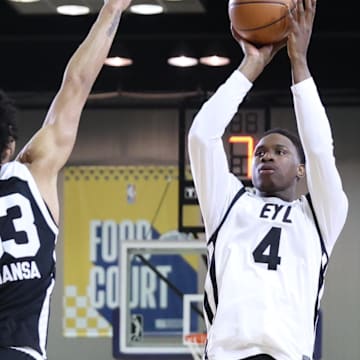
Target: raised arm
pixel 49 149
pixel 215 185
pixel 323 179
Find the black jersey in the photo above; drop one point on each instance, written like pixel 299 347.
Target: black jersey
pixel 27 261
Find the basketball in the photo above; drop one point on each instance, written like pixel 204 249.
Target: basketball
pixel 261 22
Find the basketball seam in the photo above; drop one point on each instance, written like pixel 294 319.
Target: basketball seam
pixel 261 2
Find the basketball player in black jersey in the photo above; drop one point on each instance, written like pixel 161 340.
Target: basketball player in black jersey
pixel 29 205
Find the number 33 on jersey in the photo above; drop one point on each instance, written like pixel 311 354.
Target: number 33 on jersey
pixel 25 227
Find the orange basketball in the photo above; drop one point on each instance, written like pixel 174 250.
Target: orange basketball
pixel 261 22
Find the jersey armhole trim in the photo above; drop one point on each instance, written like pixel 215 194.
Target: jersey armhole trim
pixel 322 243
pixel 213 237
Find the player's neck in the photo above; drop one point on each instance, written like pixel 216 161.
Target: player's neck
pixel 285 195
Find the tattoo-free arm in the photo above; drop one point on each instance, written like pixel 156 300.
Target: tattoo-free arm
pixel 49 149
pixel 51 146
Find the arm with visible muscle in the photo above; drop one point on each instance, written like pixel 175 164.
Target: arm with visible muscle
pixel 49 149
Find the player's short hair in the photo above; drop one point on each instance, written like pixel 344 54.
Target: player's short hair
pixel 8 127
pixel 293 138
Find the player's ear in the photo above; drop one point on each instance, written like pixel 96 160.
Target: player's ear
pixel 300 171
pixel 9 151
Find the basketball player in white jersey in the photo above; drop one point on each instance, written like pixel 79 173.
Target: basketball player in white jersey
pixel 29 205
pixel 267 249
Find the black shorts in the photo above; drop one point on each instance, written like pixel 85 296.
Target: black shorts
pixel 260 357
pixel 12 354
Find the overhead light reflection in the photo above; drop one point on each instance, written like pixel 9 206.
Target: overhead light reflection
pixel 183 61
pixel 146 9
pixel 72 10
pixel 118 61
pixel 215 60
pixel 25 1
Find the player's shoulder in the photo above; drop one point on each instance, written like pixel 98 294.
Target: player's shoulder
pixel 14 168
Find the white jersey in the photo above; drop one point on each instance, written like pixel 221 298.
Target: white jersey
pixel 267 257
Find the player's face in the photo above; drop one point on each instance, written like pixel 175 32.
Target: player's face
pixel 276 165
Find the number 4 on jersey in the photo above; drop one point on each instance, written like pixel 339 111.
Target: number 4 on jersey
pixel 271 241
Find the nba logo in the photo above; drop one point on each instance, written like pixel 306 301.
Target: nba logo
pixel 136 327
pixel 131 193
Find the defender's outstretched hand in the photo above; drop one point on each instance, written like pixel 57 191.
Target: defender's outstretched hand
pixel 49 149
